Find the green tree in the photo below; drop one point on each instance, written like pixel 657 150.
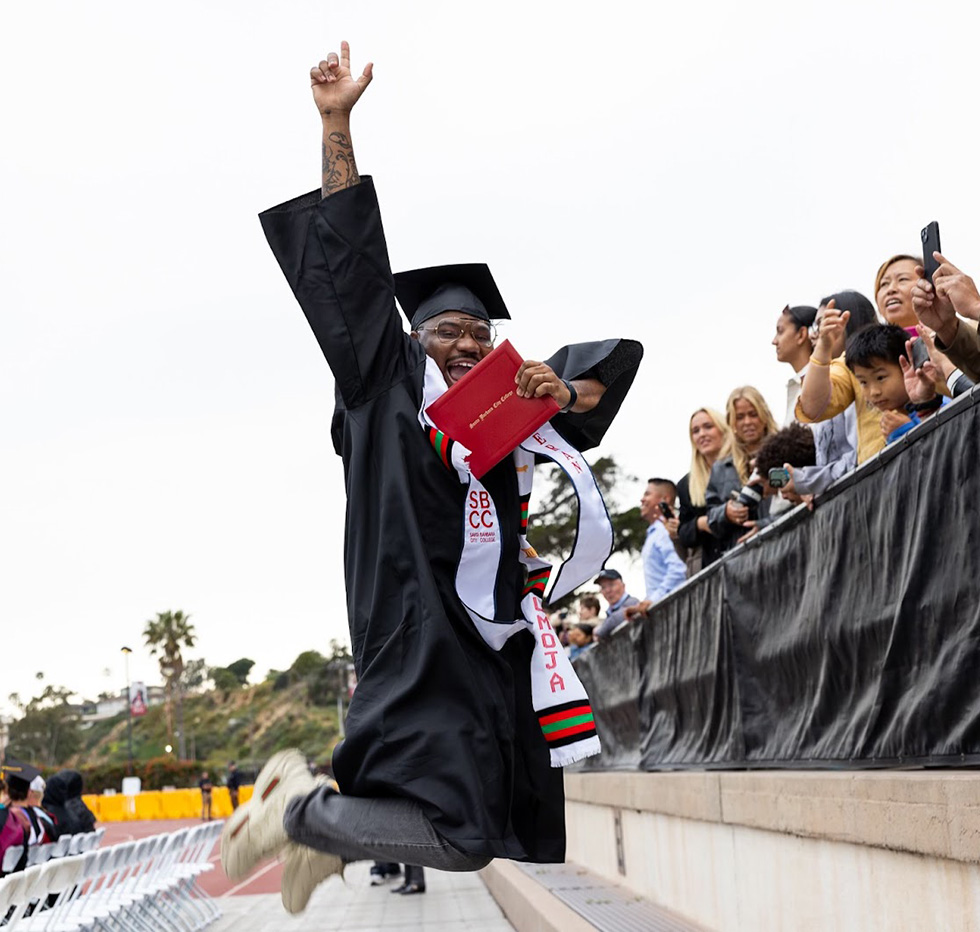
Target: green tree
pixel 339 651
pixel 306 663
pixel 240 670
pixel 166 635
pixel 48 731
pixel 552 529
pixel 224 680
pixel 194 674
pixel 327 683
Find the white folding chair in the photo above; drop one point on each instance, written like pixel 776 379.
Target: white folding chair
pixel 60 847
pixel 11 858
pixel 58 878
pixel 38 854
pixel 24 894
pixel 87 842
pixel 95 874
pixel 11 887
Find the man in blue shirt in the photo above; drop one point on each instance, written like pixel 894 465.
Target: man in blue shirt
pixel 663 569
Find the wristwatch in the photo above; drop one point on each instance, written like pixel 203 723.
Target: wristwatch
pixel 573 396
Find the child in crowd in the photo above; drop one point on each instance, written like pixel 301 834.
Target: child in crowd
pixel 903 395
pixel 588 609
pixel 580 639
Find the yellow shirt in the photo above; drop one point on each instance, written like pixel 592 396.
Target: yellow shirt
pixel 845 390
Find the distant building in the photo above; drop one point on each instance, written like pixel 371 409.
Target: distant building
pixel 109 706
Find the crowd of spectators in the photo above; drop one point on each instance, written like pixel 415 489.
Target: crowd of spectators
pixel 864 374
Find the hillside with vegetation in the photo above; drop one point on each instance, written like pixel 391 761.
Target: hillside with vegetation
pixel 213 715
pixel 224 719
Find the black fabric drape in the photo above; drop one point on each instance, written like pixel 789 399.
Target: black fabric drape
pixel 844 637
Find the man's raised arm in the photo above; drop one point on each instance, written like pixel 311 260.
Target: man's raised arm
pixel 335 91
pixel 331 248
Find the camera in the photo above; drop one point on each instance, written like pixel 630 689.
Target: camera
pixel 750 495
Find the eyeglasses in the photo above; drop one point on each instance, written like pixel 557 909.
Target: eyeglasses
pixel 451 329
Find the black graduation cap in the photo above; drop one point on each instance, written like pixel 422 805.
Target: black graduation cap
pixel 468 288
pixel 16 773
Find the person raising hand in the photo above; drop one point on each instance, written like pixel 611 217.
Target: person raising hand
pixel 335 91
pixel 937 303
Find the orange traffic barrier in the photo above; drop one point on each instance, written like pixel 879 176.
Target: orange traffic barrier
pixel 163 804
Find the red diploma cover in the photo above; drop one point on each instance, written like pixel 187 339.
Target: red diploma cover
pixel 483 412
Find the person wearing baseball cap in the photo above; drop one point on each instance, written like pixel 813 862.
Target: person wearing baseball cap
pixel 613 589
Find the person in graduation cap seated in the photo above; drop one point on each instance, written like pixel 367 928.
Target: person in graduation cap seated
pixel 466 706
pixel 19 777
pixel 15 830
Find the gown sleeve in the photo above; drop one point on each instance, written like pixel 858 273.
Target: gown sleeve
pixel 614 363
pixel 333 253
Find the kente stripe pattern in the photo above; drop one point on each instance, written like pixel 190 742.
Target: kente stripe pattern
pixel 537 582
pixel 566 724
pixel 525 511
pixel 442 445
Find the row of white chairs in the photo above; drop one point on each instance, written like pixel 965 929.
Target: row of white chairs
pixel 138 886
pixel 64 846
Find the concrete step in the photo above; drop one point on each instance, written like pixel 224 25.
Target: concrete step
pixel 570 898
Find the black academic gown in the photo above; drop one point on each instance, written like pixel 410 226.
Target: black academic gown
pixel 438 716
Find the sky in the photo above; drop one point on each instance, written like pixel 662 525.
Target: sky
pixel 672 175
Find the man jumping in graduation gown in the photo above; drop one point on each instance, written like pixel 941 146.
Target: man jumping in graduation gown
pixel 463 714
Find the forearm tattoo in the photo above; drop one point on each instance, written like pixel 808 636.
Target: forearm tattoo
pixel 339 167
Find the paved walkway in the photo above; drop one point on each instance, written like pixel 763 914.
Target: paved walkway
pixel 451 902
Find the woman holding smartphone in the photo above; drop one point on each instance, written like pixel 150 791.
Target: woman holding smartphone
pixel 751 422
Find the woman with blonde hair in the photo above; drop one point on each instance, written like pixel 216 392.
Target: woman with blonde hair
pixel 711 439
pixel 751 422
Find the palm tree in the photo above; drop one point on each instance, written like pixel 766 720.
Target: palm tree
pixel 166 635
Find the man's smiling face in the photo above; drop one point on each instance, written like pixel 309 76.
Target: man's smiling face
pixel 455 357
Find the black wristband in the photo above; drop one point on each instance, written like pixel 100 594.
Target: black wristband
pixel 933 405
pixel 573 396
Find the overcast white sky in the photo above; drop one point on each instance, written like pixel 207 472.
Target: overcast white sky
pixel 672 176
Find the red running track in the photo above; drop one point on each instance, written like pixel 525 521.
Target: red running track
pixel 266 878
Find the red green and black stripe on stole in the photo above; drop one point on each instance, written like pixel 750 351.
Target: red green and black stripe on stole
pixel 443 445
pixel 537 582
pixel 568 723
pixel 525 509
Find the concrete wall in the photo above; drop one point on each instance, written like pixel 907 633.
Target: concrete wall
pixel 762 851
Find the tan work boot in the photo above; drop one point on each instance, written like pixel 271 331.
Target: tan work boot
pixel 254 831
pixel 303 869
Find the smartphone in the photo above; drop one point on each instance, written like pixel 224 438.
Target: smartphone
pixel 666 510
pixel 778 477
pixel 930 244
pixel 920 354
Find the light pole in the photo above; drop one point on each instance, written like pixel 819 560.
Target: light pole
pixel 129 711
pixel 341 687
